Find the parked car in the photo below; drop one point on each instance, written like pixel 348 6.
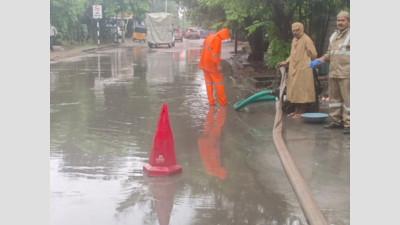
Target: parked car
pixel 206 33
pixel 202 32
pixel 192 33
pixel 178 34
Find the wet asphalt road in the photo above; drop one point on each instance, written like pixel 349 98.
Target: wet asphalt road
pixel 104 111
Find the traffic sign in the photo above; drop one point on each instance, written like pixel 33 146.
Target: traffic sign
pixel 97 12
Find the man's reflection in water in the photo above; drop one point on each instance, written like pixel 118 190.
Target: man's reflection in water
pixel 209 142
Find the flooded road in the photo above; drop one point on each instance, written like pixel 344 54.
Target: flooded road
pixel 103 114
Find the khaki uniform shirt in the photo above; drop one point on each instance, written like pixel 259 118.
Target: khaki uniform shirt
pixel 338 54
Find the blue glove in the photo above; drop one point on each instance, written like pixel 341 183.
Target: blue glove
pixel 314 63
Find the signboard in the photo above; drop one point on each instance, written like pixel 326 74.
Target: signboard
pixel 97 12
pixel 126 16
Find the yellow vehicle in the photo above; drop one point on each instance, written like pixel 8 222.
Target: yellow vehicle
pixel 139 33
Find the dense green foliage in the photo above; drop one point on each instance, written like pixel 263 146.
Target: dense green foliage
pixel 75 25
pixel 253 19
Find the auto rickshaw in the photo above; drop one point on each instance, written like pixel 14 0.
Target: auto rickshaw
pixel 139 33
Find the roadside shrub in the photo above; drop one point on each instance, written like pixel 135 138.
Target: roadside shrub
pixel 278 51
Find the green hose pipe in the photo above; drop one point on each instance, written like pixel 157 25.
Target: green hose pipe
pixel 262 96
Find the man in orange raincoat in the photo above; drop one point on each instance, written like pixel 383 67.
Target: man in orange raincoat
pixel 209 62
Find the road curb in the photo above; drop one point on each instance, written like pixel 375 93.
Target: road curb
pixel 101 48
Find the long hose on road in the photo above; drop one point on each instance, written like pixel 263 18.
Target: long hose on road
pixel 303 193
pixel 262 96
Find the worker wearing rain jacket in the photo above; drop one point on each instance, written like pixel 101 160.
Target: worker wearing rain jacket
pixel 209 62
pixel 338 55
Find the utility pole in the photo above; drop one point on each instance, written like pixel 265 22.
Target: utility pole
pixel 166 5
pixel 98 33
pixel 123 26
pixel 152 5
pixel 236 41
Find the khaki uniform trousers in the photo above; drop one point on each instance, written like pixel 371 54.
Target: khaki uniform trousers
pixel 339 101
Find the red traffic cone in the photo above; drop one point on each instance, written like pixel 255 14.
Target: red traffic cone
pixel 162 162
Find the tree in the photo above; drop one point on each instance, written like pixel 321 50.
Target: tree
pixel 273 17
pixel 135 7
pixel 73 18
pixel 234 14
pixel 66 16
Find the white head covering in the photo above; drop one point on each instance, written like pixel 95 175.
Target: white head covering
pixel 344 14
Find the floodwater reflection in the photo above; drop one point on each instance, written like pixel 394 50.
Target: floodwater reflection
pixel 104 111
pixel 209 142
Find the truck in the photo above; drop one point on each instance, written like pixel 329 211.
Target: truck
pixel 160 30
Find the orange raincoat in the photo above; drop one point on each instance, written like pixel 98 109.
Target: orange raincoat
pixel 209 62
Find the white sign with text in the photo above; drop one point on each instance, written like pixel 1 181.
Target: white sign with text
pixel 97 12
